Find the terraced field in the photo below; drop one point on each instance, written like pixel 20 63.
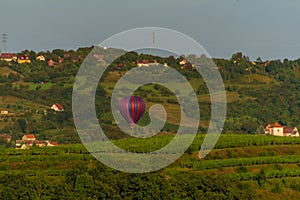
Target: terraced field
pixel 270 165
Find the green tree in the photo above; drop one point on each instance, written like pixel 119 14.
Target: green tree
pixel 22 124
pixel 84 187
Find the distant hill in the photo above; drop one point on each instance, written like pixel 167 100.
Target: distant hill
pixel 258 92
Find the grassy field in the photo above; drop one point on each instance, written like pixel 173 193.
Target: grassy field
pixel 17 108
pixel 5 71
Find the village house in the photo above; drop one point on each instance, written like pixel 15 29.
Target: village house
pixel 8 57
pixel 57 107
pixel 51 144
pixel 28 137
pixel 29 140
pixel 183 62
pixel 19 144
pixel 277 129
pixel 24 59
pixel 120 65
pixel 4 112
pixel 51 63
pixel 146 63
pixel 40 58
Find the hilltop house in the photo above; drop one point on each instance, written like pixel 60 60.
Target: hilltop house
pixel 24 59
pixel 185 64
pixel 120 65
pixel 51 63
pixel 57 107
pixel 40 58
pixel 28 137
pixel 8 57
pixel 146 63
pixel 277 129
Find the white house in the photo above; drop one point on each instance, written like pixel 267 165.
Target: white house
pixel 183 62
pixel 8 57
pixel 146 63
pixel 40 58
pixel 4 112
pixel 277 129
pixel 57 107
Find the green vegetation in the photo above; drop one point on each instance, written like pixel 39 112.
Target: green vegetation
pixel 69 171
pixel 257 94
pixel 241 166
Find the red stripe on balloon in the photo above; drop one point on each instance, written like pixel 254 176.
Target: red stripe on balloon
pixel 127 110
pixel 132 109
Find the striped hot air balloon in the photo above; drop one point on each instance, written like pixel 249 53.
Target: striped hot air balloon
pixel 132 109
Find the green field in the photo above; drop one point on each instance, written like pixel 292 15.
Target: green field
pixel 263 164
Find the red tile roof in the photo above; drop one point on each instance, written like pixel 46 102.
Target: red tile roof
pixel 268 127
pixel 8 55
pixel 142 62
pixel 53 143
pixel 59 106
pixel 287 129
pixel 30 136
pixel 276 124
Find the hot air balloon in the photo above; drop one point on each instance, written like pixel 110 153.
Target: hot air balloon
pixel 132 109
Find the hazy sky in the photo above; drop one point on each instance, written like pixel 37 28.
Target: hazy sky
pixel 266 28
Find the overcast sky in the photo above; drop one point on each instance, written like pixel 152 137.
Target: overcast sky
pixel 266 28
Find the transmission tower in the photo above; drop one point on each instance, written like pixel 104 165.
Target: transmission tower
pixel 153 42
pixel 4 41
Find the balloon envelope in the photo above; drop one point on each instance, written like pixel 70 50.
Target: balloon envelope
pixel 132 109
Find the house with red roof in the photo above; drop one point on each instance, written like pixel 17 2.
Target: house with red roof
pixel 51 63
pixel 277 129
pixel 51 143
pixel 28 137
pixel 57 107
pixel 8 57
pixel 29 140
pixel 24 59
pixel 120 65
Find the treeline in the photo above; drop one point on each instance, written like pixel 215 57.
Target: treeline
pixel 98 182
